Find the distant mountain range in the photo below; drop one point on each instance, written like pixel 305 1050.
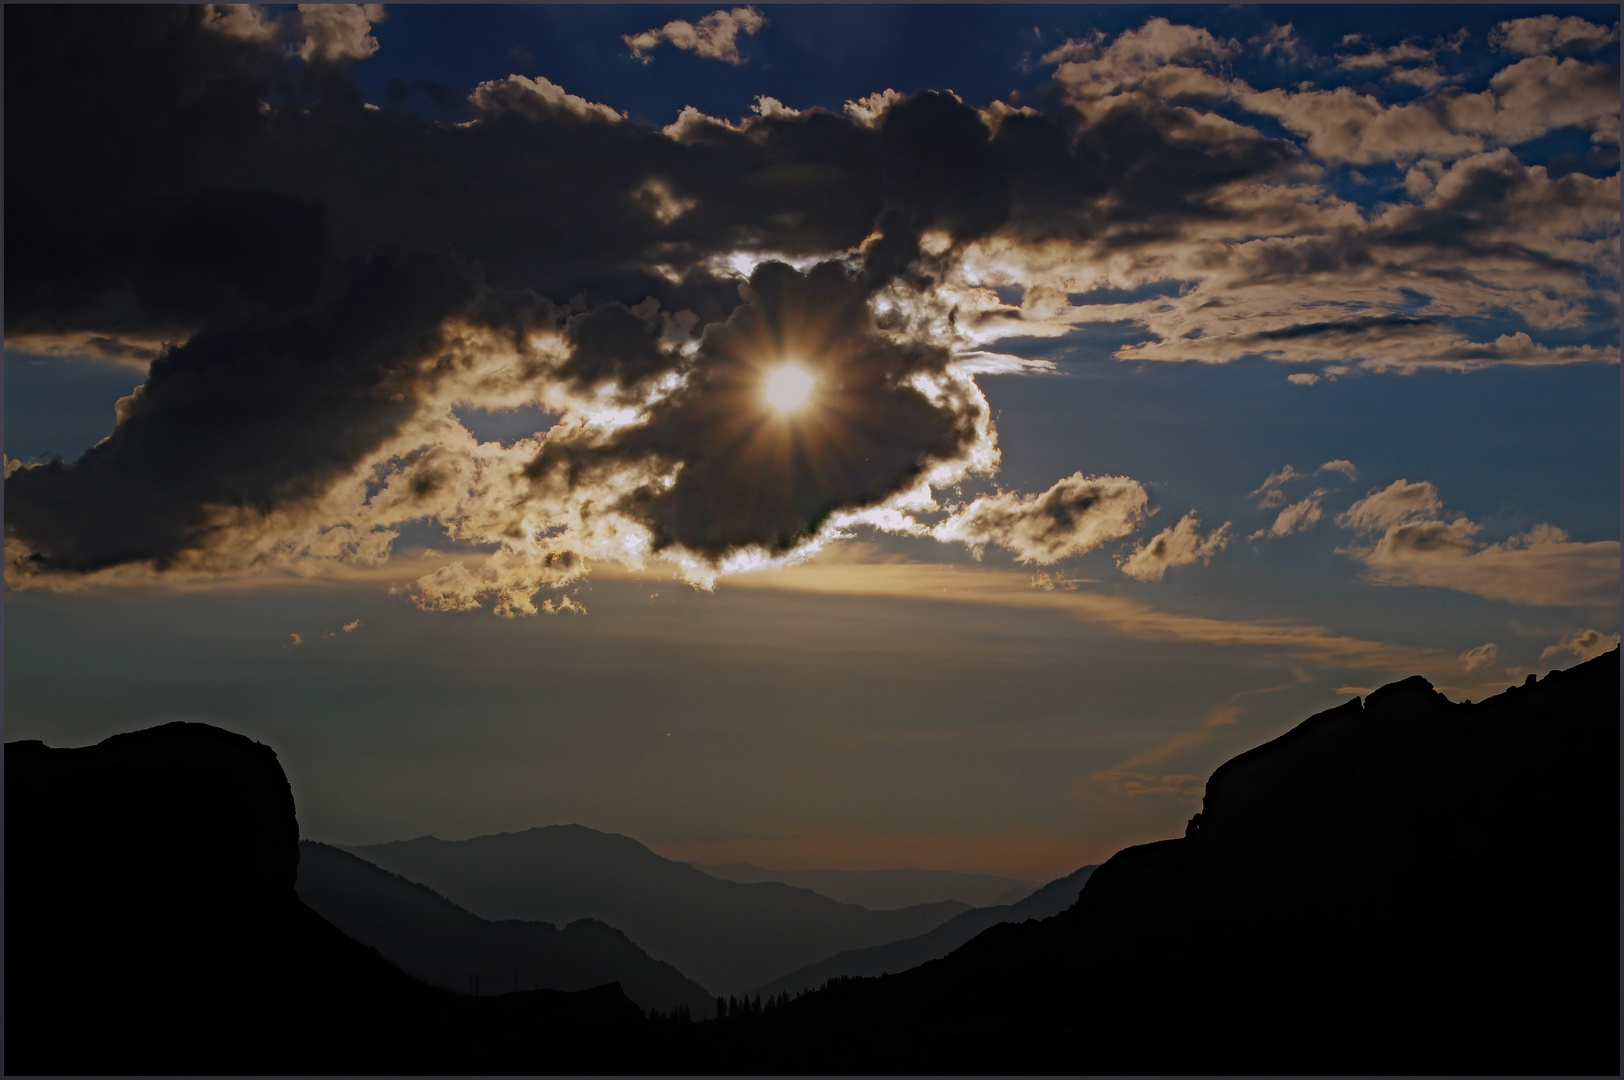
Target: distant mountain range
pixel 729 937
pixel 440 943
pixel 1050 900
pixel 884 890
pixel 1399 885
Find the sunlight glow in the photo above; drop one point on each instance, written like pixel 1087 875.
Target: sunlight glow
pixel 788 387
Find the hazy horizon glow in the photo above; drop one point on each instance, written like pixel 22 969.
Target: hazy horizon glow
pixel 886 435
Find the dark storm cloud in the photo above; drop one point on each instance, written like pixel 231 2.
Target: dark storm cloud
pixel 248 418
pixel 748 477
pixel 177 172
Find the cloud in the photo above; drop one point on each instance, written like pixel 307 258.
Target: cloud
pixel 336 32
pixel 1074 516
pixel 1176 545
pixel 837 575
pixel 1528 99
pixel 1298 517
pixel 1585 644
pixel 351 627
pixel 1269 494
pixel 1539 568
pixel 1185 787
pixel 318 286
pixel 1551 33
pixel 1279 42
pixel 244 22
pixel 714 37
pixel 1340 465
pixel 1398 502
pixel 1479 656
pixel 538 99
pixel 1302 378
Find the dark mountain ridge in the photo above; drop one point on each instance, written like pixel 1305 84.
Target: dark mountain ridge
pixel 430 937
pixel 152 927
pixel 883 890
pixel 1051 899
pixel 1397 885
pixel 727 936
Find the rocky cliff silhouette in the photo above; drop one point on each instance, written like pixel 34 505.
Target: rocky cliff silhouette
pixel 1397 885
pixel 152 927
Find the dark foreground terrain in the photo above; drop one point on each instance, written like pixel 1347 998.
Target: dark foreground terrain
pixel 1402 884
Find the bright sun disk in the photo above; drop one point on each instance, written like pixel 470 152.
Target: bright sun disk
pixel 787 387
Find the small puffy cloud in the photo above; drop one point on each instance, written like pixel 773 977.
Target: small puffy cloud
pixel 1340 465
pixel 242 22
pixel 351 627
pixel 1585 644
pixel 1075 516
pixel 715 37
pixel 1279 42
pixel 1298 517
pixel 1539 568
pixel 335 32
pixel 1397 502
pixel 1176 545
pixel 867 111
pixel 1479 656
pixel 1551 33
pixel 295 640
pixel 1302 378
pixel 537 99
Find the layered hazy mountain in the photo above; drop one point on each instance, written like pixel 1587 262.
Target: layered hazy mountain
pixel 1341 904
pixel 1048 901
pixel 152 916
pixel 728 936
pixel 884 890
pixel 430 937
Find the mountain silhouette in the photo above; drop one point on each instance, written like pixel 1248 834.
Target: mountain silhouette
pixel 1401 884
pixel 152 927
pixel 1052 899
pixel 430 937
pixel 884 890
pixel 728 937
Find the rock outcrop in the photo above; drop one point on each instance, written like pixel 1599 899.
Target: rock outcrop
pixel 152 927
pixel 1397 885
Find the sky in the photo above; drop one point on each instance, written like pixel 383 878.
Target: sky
pixel 817 436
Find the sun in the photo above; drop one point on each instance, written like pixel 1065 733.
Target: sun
pixel 788 387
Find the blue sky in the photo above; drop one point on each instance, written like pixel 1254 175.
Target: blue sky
pixel 1293 372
